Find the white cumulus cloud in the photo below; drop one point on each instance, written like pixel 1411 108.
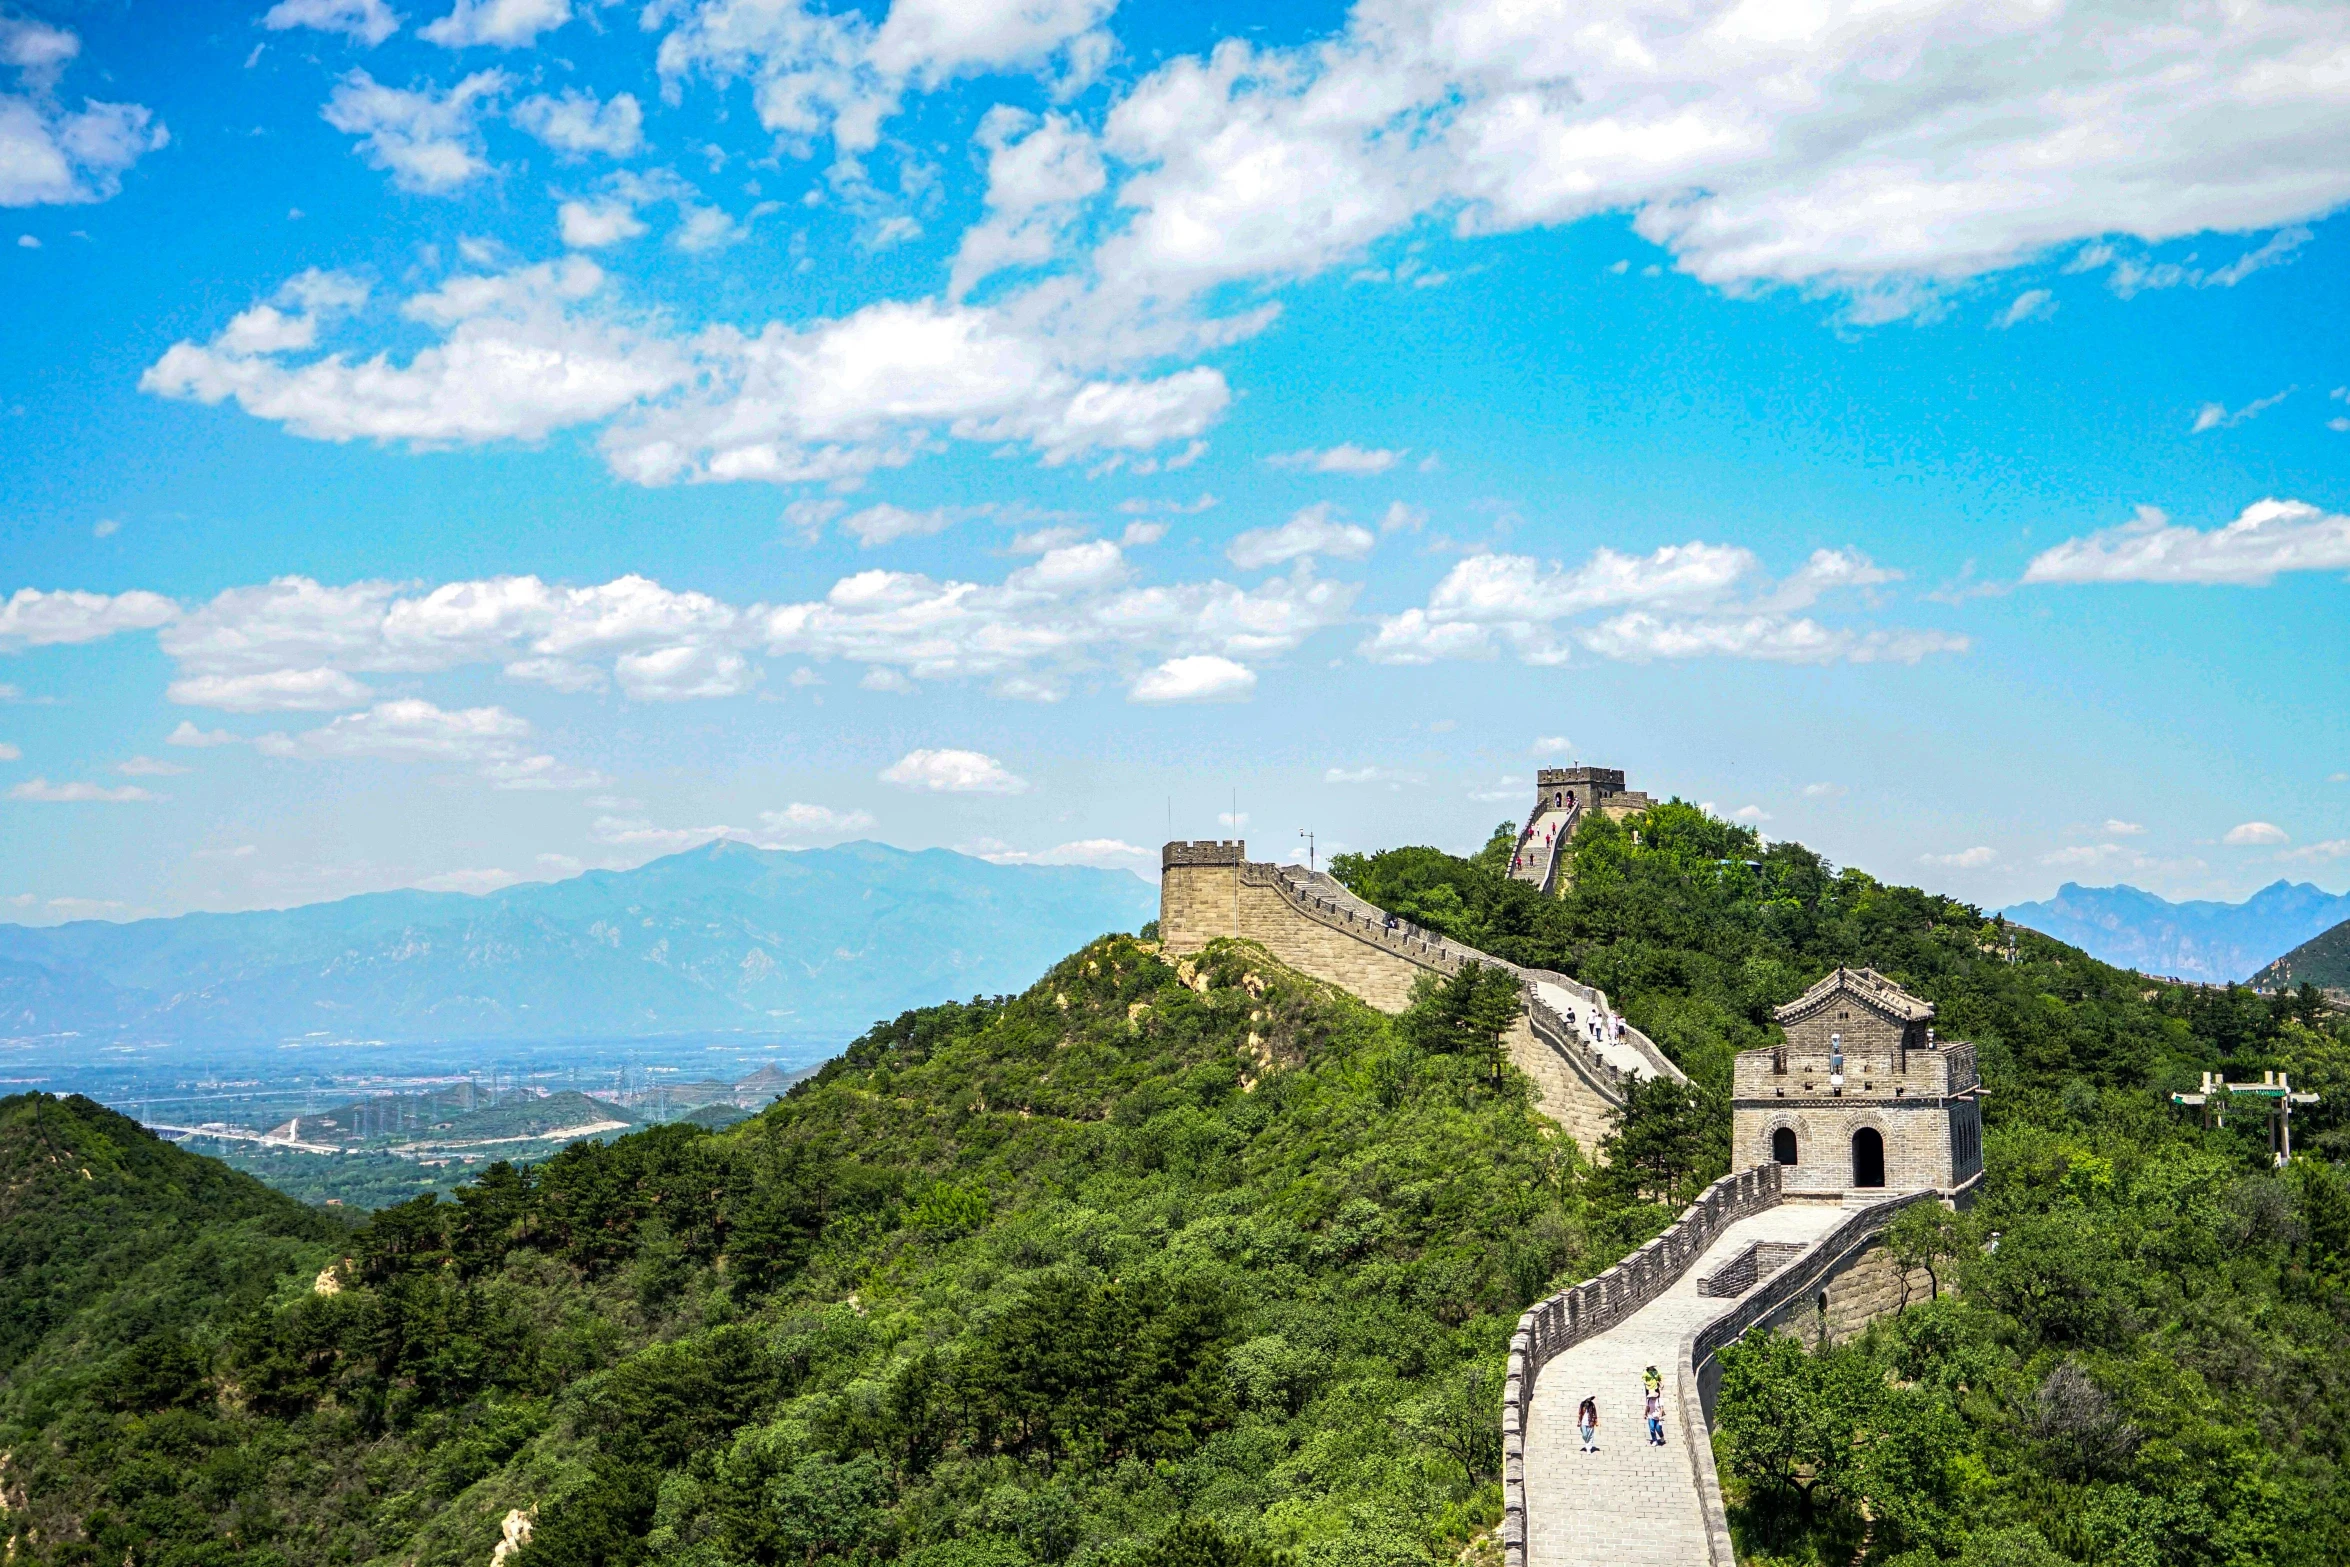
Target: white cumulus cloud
pixel 1039 169
pixel 30 617
pixel 1314 530
pixel 952 772
pixel 428 141
pixel 1678 601
pixel 592 225
pixel 817 73
pixel 2266 538
pixel 521 354
pixel 270 690
pixel 367 22
pixel 801 820
pixel 1075 612
pixel 1344 458
pixel 684 673
pixel 575 121
pixel 491 740
pixel 504 24
pixel 2244 833
pixel 1964 859
pixel 51 155
pixel 1964 141
pixel 1104 853
pixel 519 358
pixel 1198 677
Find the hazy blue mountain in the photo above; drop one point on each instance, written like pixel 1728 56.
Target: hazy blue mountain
pixel 2215 942
pixel 724 938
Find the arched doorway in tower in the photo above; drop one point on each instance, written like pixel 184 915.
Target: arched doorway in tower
pixel 1783 1145
pixel 1868 1157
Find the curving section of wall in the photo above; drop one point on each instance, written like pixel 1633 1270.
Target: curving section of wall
pixel 1312 923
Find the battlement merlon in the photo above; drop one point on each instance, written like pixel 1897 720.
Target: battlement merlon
pixel 1203 851
pixel 1594 781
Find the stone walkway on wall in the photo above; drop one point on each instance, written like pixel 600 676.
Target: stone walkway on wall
pixel 1630 1504
pixel 1538 843
pixel 1621 1054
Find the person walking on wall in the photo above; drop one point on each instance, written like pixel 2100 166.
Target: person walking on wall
pixel 1652 1388
pixel 1587 1421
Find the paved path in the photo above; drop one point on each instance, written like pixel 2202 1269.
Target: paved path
pixel 1630 1504
pixel 1578 1010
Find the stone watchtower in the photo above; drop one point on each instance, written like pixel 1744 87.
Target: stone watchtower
pixel 1861 1097
pixel 1593 789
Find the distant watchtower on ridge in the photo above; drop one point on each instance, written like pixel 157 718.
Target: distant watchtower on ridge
pixel 1562 797
pixel 1861 1097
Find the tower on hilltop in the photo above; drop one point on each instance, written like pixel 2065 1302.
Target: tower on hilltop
pixel 1562 797
pixel 1861 1097
pixel 1591 788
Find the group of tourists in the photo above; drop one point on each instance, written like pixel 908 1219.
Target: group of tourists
pixel 1652 1403
pixel 1563 800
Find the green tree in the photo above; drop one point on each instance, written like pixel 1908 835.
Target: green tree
pixel 1670 1142
pixel 1464 1014
pixel 824 1507
pixel 1197 1543
pixel 1925 1235
pixel 1796 1420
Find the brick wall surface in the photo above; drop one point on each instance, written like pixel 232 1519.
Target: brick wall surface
pixel 1866 1286
pixel 1916 1098
pixel 1918 1136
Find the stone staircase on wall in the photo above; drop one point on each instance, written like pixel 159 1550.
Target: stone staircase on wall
pixel 1542 845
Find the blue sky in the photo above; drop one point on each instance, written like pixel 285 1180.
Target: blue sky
pixel 442 447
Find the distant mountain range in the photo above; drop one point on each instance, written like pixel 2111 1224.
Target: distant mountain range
pixel 722 939
pixel 2213 942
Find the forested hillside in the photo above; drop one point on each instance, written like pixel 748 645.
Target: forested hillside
pixel 2323 961
pixel 1018 1280
pixel 1202 1264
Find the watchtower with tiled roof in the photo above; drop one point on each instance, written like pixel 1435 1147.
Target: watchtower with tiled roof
pixel 1861 1096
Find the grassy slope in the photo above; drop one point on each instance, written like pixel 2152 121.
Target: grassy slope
pixel 2323 960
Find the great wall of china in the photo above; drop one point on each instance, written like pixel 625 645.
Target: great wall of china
pixel 1569 1041
pixel 1860 1113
